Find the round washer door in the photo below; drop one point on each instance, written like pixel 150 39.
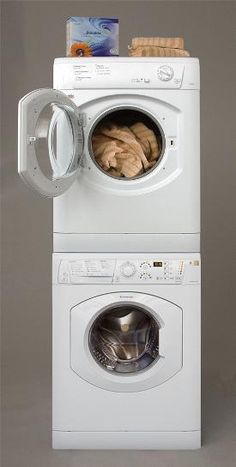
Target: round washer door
pixel 50 141
pixel 126 342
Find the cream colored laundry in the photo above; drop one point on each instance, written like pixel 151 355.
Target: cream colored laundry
pixel 105 150
pixel 128 164
pixel 148 140
pixel 125 135
pixel 116 157
pixel 146 51
pixel 125 152
pixel 157 47
pixel 171 42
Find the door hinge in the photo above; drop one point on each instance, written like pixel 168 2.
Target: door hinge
pixel 82 119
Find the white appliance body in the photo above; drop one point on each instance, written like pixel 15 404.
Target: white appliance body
pixel 161 210
pixel 96 212
pixel 155 408
pixel 98 402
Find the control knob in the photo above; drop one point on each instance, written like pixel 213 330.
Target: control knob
pixel 165 73
pixel 128 269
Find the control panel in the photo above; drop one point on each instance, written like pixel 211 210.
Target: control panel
pixel 162 76
pixel 154 271
pixel 162 73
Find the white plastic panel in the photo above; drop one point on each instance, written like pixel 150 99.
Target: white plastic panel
pixel 50 141
pixel 127 440
pixel 155 270
pixel 125 243
pixel 127 72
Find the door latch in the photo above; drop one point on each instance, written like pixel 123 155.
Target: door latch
pixel 31 139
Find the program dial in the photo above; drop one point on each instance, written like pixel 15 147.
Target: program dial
pixel 128 269
pixel 165 73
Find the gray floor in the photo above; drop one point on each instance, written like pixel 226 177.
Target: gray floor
pixel 26 434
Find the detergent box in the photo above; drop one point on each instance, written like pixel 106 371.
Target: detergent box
pixel 92 37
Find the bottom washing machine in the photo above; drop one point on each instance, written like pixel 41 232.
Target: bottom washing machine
pixel 126 351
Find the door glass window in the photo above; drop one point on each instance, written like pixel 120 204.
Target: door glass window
pixel 55 136
pixel 124 339
pixel 127 143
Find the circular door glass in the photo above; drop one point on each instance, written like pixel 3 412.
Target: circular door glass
pixel 57 137
pixel 124 339
pixel 126 143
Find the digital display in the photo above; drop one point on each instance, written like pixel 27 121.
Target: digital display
pixel 157 264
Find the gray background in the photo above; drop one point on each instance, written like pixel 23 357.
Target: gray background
pixel 33 34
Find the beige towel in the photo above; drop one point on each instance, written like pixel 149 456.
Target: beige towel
pixel 125 152
pixel 158 47
pixel 124 135
pixel 171 42
pixel 147 51
pixel 148 140
pixel 105 150
pixel 158 52
pixel 120 151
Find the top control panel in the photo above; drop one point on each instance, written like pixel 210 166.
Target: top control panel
pixel 154 271
pixel 118 72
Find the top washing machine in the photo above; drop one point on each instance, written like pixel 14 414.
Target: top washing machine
pixel 96 209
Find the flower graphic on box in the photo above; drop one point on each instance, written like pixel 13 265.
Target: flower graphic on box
pixel 80 49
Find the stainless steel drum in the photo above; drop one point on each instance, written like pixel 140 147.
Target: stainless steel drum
pixel 124 338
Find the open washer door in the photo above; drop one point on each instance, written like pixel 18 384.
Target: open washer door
pixel 50 141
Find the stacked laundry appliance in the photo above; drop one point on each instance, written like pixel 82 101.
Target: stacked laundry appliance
pixel 116 145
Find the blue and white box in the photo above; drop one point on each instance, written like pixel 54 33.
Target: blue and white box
pixel 92 37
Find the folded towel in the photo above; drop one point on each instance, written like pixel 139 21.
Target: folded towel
pixel 158 47
pixel 171 42
pixel 153 51
pixel 123 151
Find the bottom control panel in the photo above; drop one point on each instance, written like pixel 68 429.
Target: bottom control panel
pixel 129 271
